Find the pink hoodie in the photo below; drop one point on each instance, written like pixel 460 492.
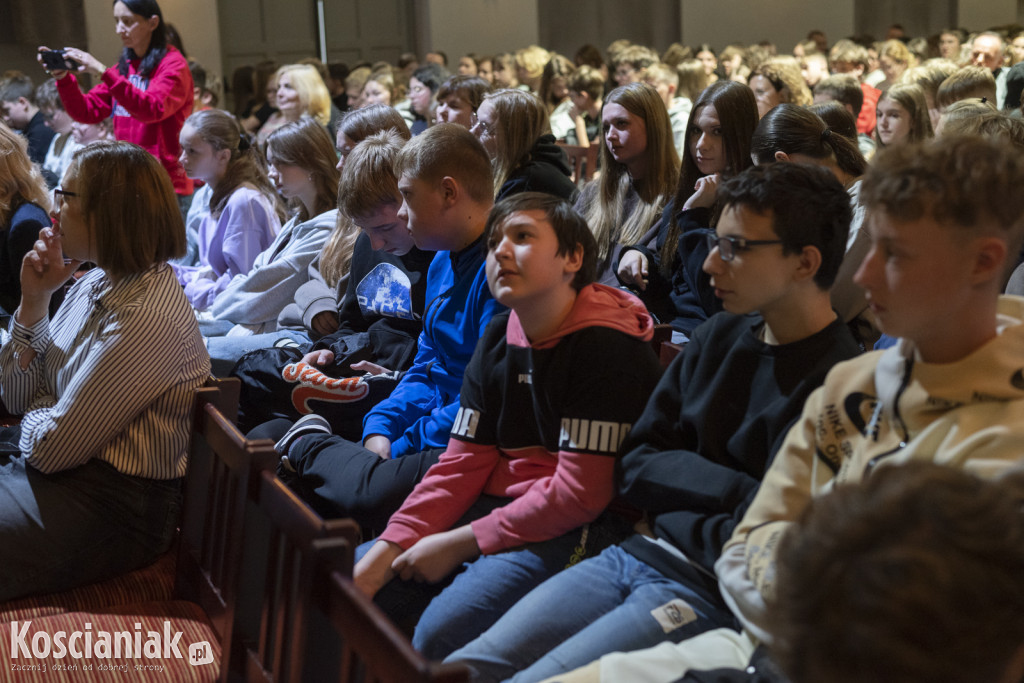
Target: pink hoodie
pixel 553 492
pixel 147 111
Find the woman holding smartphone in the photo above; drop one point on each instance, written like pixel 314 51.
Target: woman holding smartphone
pixel 148 92
pixel 94 489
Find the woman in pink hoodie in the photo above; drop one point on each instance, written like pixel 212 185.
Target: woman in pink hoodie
pixel 148 92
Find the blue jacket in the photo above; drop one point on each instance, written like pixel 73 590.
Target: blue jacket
pixel 421 410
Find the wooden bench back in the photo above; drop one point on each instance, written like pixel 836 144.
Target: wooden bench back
pixel 222 466
pixel 279 563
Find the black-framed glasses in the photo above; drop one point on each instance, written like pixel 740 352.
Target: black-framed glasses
pixel 475 121
pixel 57 193
pixel 729 246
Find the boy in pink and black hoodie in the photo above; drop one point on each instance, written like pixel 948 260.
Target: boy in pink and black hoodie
pixel 550 393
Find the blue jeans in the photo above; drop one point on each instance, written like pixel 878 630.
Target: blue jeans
pixel 225 351
pixel 454 612
pixel 71 528
pixel 613 602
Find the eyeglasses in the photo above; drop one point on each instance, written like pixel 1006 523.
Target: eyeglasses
pixel 57 193
pixel 728 246
pixel 475 121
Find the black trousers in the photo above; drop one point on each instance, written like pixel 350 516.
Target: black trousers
pixel 339 478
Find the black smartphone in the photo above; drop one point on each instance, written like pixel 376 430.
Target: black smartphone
pixel 54 60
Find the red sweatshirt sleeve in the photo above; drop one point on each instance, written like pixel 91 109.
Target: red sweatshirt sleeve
pixel 169 88
pixel 91 107
pixel 446 492
pixel 581 487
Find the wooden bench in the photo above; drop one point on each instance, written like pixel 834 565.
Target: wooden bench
pixel 148 584
pixel 583 161
pixel 260 578
pixel 285 540
pixel 365 645
pixel 222 466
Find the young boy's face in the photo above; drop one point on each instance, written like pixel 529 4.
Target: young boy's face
pixel 387 230
pixel 855 70
pixel 813 69
pixel 17 113
pixel 915 274
pixel 665 90
pixel 759 277
pixel 580 100
pixel 523 266
pixel 423 211
pixel 625 74
pixel 58 120
pixel 454 109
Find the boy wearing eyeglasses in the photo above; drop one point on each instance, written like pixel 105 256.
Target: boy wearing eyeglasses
pixel 695 458
pixel 946 221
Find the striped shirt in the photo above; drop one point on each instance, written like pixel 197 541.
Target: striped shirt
pixel 113 377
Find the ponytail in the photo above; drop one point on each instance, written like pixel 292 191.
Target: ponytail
pixel 245 166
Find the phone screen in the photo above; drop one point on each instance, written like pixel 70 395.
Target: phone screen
pixel 55 60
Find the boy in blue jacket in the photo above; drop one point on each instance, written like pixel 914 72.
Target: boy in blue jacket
pixel 445 179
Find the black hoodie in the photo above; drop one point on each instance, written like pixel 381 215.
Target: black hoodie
pixel 546 169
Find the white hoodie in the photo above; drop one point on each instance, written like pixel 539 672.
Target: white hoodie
pixel 878 410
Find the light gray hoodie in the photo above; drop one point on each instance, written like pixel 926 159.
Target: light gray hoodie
pixel 252 302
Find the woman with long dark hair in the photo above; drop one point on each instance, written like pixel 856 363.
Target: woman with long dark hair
pixel 669 278
pixel 148 92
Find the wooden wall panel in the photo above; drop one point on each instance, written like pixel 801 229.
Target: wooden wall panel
pixel 286 30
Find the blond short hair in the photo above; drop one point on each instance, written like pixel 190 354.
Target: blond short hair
pixel 970 81
pixel 313 94
pixel 532 59
pixel 448 150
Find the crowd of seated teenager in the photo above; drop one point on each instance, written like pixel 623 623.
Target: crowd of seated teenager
pixel 390 259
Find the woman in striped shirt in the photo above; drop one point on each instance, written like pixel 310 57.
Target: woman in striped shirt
pixel 105 387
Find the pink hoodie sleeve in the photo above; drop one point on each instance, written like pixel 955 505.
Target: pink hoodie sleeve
pixel 446 492
pixel 579 490
pixel 91 107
